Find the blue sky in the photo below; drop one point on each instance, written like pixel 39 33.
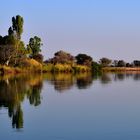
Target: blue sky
pixel 100 28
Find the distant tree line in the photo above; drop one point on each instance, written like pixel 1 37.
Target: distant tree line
pixel 106 62
pixel 62 57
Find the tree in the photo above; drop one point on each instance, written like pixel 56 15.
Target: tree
pixel 84 59
pixel 121 63
pixel 105 61
pixel 136 63
pixel 16 31
pixel 1 39
pixel 115 63
pixel 7 49
pixel 10 31
pixel 34 46
pixel 96 67
pixel 62 57
pixel 17 26
pixel 129 65
pixel 6 54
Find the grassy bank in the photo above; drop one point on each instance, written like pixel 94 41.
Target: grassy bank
pixel 65 68
pixel 28 66
pixel 32 66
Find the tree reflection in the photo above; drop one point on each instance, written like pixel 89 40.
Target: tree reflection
pixel 105 78
pixel 83 81
pixel 60 81
pixel 34 96
pixel 63 82
pixel 124 75
pixel 136 76
pixel 13 92
pixel 17 118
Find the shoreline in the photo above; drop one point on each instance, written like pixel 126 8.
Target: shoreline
pixel 60 68
pixel 120 69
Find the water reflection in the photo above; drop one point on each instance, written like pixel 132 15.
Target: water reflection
pixel 15 89
pixel 84 81
pixel 13 92
pixel 105 78
pixel 63 82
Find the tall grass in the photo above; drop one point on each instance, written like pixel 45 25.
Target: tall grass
pixel 65 68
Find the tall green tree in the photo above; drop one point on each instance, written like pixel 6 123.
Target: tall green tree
pixel 17 26
pixel 34 46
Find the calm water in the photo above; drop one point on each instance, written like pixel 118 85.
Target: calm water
pixel 67 107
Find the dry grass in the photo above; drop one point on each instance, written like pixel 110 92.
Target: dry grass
pixel 119 69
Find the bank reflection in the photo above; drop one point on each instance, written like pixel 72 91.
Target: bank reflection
pixel 13 91
pixel 84 81
pixel 63 82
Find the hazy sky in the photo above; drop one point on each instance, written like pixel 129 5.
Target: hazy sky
pixel 100 28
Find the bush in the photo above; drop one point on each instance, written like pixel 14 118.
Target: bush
pixel 96 67
pixel 81 68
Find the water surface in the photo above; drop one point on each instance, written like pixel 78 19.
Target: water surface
pixel 70 107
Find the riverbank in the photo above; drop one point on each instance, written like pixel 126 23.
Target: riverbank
pixel 120 69
pixel 32 66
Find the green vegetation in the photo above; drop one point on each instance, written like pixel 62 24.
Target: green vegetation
pixel 34 49
pixel 105 62
pixel 83 59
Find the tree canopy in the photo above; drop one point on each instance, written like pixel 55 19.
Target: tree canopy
pixel 62 57
pixel 34 46
pixel 17 26
pixel 105 61
pixel 84 59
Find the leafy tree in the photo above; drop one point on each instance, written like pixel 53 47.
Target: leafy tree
pixel 10 31
pixel 7 49
pixel 129 65
pixel 96 67
pixel 105 61
pixel 62 58
pixel 84 59
pixel 121 63
pixel 136 63
pixel 7 40
pixel 115 63
pixel 0 39
pixel 6 54
pixel 17 26
pixel 34 46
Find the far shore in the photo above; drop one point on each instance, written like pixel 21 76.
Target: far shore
pixel 120 69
